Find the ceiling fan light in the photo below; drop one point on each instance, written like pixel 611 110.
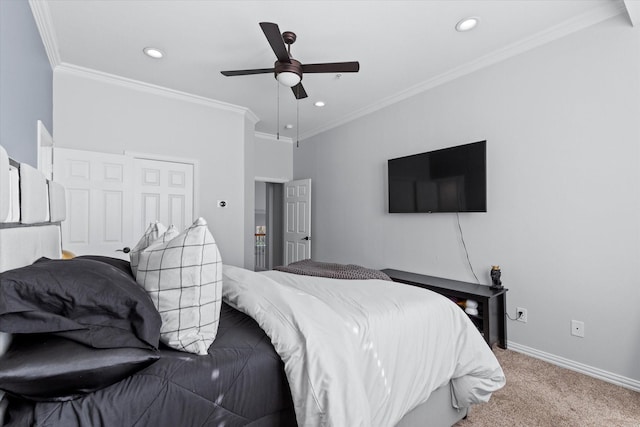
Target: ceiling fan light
pixel 289 79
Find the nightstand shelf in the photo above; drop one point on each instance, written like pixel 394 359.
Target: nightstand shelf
pixel 490 320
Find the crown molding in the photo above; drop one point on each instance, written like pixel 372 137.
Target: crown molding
pixel 42 16
pixel 154 89
pixel 592 17
pixel 272 137
pixel 633 11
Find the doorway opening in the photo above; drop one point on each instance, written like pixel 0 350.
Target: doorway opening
pixel 269 233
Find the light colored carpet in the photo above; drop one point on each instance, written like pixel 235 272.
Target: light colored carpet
pixel 538 393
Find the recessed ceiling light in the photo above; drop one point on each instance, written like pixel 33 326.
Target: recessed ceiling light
pixel 319 104
pixel 467 24
pixel 153 52
pixel 288 126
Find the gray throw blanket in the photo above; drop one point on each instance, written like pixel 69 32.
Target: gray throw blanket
pixel 331 270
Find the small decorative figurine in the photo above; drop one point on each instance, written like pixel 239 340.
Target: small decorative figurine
pixel 496 283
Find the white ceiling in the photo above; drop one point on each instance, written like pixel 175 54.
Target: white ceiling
pixel 403 47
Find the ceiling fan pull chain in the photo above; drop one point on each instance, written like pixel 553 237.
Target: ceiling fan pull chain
pixel 278 111
pixel 298 119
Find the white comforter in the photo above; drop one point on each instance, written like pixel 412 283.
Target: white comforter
pixel 364 352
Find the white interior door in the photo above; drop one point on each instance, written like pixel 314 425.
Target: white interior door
pixel 162 191
pixel 297 220
pixel 99 201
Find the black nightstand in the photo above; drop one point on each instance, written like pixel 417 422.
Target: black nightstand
pixel 490 320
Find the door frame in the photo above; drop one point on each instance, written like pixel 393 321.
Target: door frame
pixel 275 234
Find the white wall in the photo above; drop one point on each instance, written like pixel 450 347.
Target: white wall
pixel 563 216
pixel 97 113
pixel 249 195
pixel 273 158
pixel 261 197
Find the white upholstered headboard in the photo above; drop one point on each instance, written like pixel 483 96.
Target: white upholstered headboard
pixel 31 210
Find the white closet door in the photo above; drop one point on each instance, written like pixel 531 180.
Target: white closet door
pixel 99 201
pixel 112 198
pixel 163 191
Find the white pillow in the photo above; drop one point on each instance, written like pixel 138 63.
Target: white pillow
pixel 154 231
pixel 183 277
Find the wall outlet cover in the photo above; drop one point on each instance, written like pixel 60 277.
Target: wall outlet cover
pixel 577 328
pixel 521 317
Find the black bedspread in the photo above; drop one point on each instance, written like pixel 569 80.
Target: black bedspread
pixel 240 382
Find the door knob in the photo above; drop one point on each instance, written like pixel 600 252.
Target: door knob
pixel 306 238
pixel 126 250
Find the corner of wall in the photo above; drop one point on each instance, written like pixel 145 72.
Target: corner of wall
pixel 249 193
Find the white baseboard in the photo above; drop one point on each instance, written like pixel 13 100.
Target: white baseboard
pixel 600 374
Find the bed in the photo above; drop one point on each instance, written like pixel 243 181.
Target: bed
pixel 288 349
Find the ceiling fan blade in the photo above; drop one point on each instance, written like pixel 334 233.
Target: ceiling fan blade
pixel 274 37
pixel 332 67
pixel 298 91
pixel 247 72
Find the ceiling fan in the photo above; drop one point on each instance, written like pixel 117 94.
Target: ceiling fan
pixel 287 70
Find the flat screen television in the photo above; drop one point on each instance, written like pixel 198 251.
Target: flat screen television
pixel 452 179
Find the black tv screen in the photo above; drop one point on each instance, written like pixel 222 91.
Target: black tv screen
pixel 448 180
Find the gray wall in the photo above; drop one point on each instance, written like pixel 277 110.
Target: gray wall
pixel 563 216
pixel 273 158
pixel 26 81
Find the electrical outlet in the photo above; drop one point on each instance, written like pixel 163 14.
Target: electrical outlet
pixel 521 314
pixel 577 328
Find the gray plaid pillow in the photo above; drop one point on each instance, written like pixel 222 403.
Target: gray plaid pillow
pixel 183 277
pixel 154 231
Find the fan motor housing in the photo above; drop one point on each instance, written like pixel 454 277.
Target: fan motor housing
pixel 293 67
